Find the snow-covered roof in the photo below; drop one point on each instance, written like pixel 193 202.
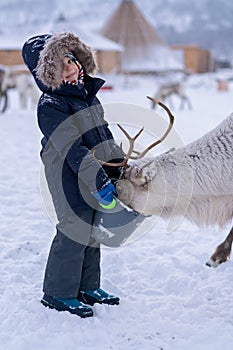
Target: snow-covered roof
pixel 94 40
pixel 13 41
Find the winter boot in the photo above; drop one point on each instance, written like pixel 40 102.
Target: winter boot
pixel 74 306
pixel 99 296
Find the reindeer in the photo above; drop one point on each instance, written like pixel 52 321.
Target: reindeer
pixel 3 89
pixel 28 91
pixel 194 181
pixel 17 78
pixel 165 91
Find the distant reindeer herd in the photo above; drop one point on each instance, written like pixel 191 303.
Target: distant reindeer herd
pixel 16 77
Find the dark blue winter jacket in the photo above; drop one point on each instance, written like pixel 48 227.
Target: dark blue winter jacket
pixel 75 133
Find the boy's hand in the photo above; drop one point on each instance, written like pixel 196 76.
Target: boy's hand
pixel 105 197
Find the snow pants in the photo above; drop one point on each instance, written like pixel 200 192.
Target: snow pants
pixel 71 267
pixel 74 258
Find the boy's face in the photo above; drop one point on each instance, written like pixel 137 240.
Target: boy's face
pixel 70 70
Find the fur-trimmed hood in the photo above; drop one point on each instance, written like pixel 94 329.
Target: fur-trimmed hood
pixel 50 51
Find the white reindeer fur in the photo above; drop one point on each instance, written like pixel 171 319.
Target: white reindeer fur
pixel 195 181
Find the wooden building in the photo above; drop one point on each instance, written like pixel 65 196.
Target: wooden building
pixel 10 51
pixel 10 57
pixel 196 59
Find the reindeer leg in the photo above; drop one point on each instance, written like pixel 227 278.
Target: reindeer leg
pixel 170 101
pixel 153 104
pixel 182 103
pixel 3 101
pixel 189 103
pixel 222 252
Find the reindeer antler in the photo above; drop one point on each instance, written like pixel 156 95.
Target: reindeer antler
pixel 171 119
pixel 133 139
pixel 130 151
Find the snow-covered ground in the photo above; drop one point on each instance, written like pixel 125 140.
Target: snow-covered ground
pixel 169 299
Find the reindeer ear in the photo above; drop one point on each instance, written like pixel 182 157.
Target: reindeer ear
pixel 150 170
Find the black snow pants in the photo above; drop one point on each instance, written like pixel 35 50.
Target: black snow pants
pixel 74 258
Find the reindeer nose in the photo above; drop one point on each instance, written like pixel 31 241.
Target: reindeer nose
pixel 212 263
